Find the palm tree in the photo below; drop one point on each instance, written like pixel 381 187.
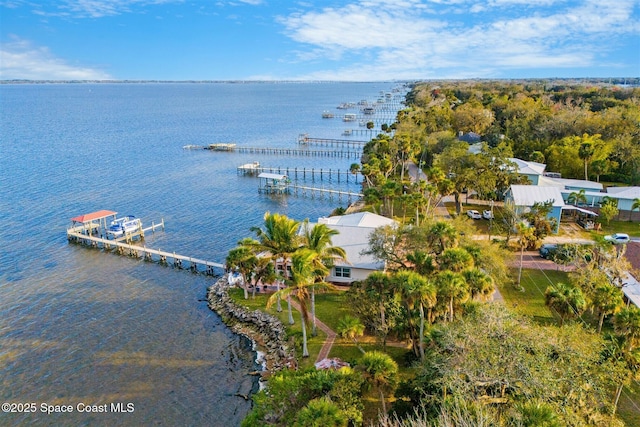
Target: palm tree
pixel 526 236
pixel 244 260
pixel 442 235
pixel 377 285
pixel 452 287
pixel 455 259
pixel 318 239
pixel 279 239
pixel 480 283
pixel 585 152
pixel 634 206
pixel 422 262
pixel 627 324
pixel 302 277
pixel 576 198
pixel 567 300
pixel 351 327
pixel 414 288
pixel 380 371
pixel 606 299
pixel 321 412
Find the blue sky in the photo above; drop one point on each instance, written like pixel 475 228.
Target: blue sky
pixel 353 40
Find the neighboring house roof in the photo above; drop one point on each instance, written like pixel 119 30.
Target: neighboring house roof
pixel 567 182
pixel 528 195
pixel 470 137
pixel 354 234
pixel 360 219
pixel 624 192
pixel 545 181
pixel 528 168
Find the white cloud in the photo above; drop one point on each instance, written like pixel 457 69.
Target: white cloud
pixel 423 38
pixel 19 59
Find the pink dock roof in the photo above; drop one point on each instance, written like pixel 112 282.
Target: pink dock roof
pixel 93 216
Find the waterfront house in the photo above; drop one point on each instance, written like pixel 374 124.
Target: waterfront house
pixel 354 234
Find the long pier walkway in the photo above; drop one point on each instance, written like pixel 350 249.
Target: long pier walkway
pixel 301 173
pixel 320 192
pixel 304 139
pixel 125 246
pixel 348 153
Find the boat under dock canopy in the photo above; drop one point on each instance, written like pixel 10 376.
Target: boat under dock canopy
pixel 273 183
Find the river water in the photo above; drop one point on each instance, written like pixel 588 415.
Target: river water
pixel 79 326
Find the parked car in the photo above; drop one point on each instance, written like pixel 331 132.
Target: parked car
pixel 548 250
pixel 473 214
pixel 618 238
pixel 487 214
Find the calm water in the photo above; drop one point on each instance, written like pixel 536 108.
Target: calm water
pixel 82 326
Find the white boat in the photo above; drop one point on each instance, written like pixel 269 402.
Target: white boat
pixel 349 117
pixel 368 110
pixel 327 115
pixel 127 224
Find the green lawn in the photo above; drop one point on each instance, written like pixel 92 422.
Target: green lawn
pixel 330 308
pixel 314 344
pixel 629 406
pixel 631 228
pixel 530 302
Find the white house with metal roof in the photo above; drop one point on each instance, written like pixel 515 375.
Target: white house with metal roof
pixel 625 196
pixel 525 196
pixel 532 170
pixel 354 230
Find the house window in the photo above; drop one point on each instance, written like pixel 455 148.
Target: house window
pixel 343 272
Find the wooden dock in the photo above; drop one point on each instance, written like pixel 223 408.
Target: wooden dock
pixel 304 139
pixel 321 192
pixel 300 152
pixel 302 174
pixel 92 234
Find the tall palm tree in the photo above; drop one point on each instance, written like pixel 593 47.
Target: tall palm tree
pixel 606 299
pixel 455 259
pixel 243 259
pixel 301 279
pixel 567 300
pixel 480 283
pixel 377 285
pixel 318 239
pixel 422 262
pixel 442 235
pixel 278 239
pixel 526 234
pixel 586 152
pixel 627 324
pixel 413 289
pixel 576 198
pixel 452 287
pixel 634 206
pixel 380 371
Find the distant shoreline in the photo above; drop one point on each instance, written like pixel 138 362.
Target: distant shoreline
pixel 613 80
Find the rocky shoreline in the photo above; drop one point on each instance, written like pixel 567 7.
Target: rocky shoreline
pixel 264 329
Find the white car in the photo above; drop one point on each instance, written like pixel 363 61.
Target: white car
pixel 473 214
pixel 618 238
pixel 487 214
